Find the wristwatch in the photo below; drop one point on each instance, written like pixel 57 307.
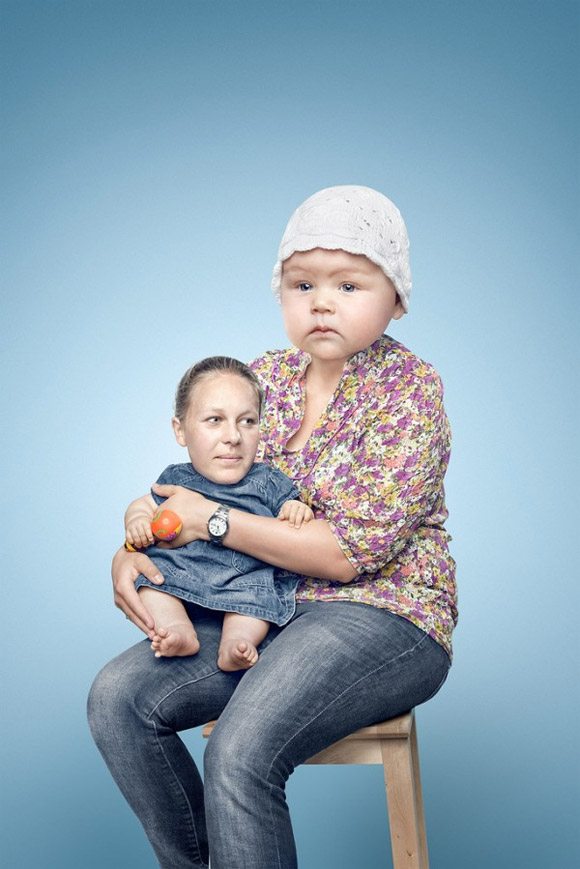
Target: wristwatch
pixel 218 525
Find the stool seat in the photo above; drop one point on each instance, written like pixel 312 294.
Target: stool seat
pixel 392 744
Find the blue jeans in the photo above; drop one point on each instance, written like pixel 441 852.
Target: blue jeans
pixel 335 667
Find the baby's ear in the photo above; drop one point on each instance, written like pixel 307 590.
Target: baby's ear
pixel 178 431
pixel 399 310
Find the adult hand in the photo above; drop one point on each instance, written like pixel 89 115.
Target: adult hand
pixel 192 508
pixel 125 569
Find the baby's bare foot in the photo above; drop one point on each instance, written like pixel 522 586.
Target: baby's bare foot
pixel 236 654
pixel 177 640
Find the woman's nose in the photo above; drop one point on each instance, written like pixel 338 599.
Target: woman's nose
pixel 232 434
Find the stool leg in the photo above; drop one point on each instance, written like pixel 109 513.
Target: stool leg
pixel 400 782
pixel 419 796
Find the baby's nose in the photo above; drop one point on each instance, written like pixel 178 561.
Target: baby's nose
pixel 322 300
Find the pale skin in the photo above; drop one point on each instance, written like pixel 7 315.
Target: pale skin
pixel 221 431
pixel 334 304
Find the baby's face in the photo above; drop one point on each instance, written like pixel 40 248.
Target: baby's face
pixel 221 429
pixel 335 303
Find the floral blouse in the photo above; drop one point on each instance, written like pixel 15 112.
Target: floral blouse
pixel 373 468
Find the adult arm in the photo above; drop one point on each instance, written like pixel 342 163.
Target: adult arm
pixel 311 550
pixel 392 484
pixel 125 569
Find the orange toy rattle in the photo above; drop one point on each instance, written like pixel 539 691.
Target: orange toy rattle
pixel 165 525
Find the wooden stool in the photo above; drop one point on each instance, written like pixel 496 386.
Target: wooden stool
pixel 393 744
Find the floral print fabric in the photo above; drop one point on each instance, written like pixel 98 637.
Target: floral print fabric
pixel 373 468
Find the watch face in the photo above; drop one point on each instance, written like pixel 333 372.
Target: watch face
pixel 217 526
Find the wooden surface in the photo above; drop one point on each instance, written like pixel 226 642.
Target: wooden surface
pixel 393 745
pixel 362 746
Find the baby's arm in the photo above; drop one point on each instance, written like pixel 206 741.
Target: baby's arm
pixel 138 522
pixel 295 513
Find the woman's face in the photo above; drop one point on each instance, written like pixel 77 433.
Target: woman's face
pixel 335 303
pixel 221 429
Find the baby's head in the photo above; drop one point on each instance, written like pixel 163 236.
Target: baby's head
pixel 218 403
pixel 354 219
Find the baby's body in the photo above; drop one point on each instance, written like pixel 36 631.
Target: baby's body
pixel 217 419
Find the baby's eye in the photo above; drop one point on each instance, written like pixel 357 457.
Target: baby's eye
pixel 213 419
pixel 304 286
pixel 347 288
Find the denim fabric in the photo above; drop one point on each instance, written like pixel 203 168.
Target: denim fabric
pixel 220 578
pixel 335 667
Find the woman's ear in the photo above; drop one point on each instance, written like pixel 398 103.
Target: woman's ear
pixel 178 431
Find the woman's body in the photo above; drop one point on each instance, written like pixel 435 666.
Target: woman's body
pixel 398 544
pixel 339 664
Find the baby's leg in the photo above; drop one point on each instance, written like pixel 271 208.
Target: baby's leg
pixel 240 637
pixel 174 634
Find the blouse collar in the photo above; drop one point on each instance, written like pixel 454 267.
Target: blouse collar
pixel 301 359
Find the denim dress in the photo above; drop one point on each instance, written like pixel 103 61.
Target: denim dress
pixel 220 578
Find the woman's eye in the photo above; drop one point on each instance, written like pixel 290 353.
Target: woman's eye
pixel 213 419
pixel 303 286
pixel 347 288
pixel 249 421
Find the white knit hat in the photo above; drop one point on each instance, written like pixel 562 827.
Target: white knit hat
pixel 358 220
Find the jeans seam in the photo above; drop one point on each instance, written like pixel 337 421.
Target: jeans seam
pixel 166 759
pixel 178 688
pixel 422 640
pixel 183 792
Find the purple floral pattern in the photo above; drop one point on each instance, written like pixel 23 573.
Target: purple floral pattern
pixel 373 468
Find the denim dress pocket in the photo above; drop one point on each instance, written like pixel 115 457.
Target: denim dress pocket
pixel 250 571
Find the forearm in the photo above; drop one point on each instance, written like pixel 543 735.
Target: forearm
pixel 141 508
pixel 311 550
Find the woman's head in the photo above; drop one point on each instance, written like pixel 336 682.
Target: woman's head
pixel 354 219
pixel 209 367
pixel 217 417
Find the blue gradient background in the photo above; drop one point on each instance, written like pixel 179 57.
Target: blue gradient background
pixel 152 154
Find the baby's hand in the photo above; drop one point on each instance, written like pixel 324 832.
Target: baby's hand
pixel 295 513
pixel 138 532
